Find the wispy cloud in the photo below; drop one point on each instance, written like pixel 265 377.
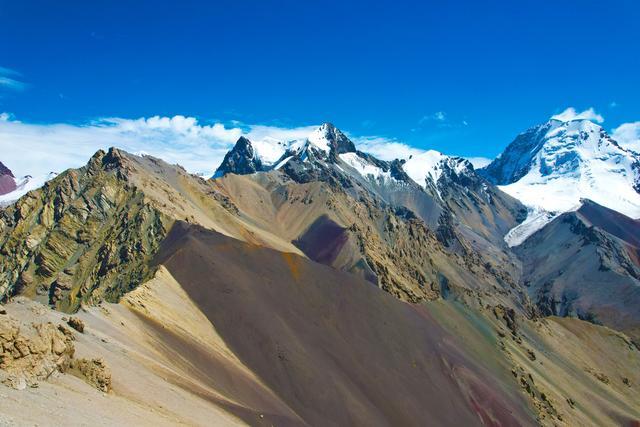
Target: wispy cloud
pixel 8 72
pixel 385 148
pixel 479 162
pixel 262 132
pixel 572 114
pixel 439 120
pixel 438 116
pixel 628 135
pixel 8 79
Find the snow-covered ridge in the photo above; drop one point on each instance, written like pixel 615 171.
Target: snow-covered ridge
pixel 536 219
pixel 364 167
pixel 24 185
pixel 427 168
pixel 551 167
pixel 270 153
pixel 320 138
pixel 328 144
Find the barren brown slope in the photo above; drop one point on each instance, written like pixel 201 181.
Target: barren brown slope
pixel 351 230
pixel 336 349
pixel 584 264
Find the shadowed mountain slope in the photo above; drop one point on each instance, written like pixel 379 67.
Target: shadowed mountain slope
pixel 586 264
pixel 331 346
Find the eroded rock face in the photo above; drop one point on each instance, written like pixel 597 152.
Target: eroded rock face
pixel 33 353
pixel 76 324
pixel 86 236
pixel 94 371
pixel 240 160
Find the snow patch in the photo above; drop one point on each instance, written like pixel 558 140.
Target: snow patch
pixel 425 166
pixel 25 184
pixel 363 167
pixel 318 138
pixel 536 219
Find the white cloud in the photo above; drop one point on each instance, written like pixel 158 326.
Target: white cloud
pixel 479 162
pixel 385 148
pixel 390 149
pixel 36 149
pixel 628 135
pixel 10 82
pixel 261 132
pixel 571 114
pixel 186 129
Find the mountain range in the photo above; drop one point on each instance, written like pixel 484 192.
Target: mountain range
pixel 310 283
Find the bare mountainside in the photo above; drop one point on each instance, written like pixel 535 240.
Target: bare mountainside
pixel 233 333
pixel 294 296
pixel 587 264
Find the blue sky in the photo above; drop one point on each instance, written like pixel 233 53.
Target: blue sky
pixel 461 77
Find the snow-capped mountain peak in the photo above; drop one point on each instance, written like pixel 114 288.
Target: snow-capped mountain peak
pixel 427 168
pixel 320 138
pixel 327 138
pixel 553 166
pixel 269 153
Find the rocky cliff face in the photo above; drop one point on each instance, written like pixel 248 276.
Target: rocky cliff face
pixel 242 159
pixel 85 236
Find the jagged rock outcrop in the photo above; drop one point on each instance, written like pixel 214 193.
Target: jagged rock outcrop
pixel 85 236
pixel 242 159
pixel 338 142
pixel 76 324
pixel 32 353
pixel 94 371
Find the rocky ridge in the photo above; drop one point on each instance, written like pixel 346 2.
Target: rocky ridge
pixel 85 236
